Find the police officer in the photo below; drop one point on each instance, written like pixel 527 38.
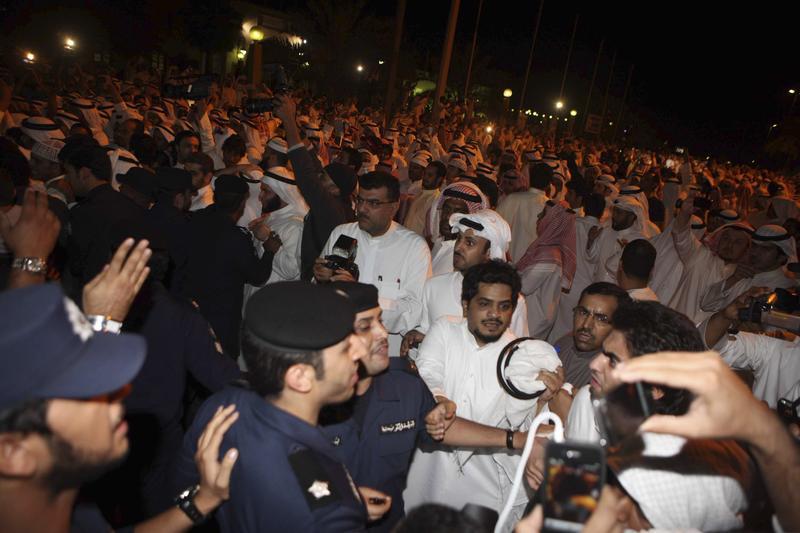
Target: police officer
pixel 377 431
pixel 170 214
pixel 221 258
pixel 302 354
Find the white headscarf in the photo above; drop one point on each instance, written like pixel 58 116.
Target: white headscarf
pixel 282 182
pixel 487 224
pixel 632 205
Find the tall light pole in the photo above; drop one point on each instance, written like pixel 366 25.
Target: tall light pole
pixel 257 34
pixel 608 89
pixel 398 37
pixel 594 77
pixel 624 98
pixel 569 55
pixel 794 93
pixel 530 57
pixel 472 51
pixel 447 51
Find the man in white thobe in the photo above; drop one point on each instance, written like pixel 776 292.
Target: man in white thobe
pixel 627 224
pixel 397 261
pixel 772 248
pixel 287 222
pixel 703 267
pixel 457 360
pixel 482 236
pixel 668 271
pixel 775 363
pixel 521 209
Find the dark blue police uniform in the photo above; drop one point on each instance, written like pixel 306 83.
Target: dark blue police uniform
pixel 288 476
pixel 378 440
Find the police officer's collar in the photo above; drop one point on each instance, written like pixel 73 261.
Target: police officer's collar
pixel 386 389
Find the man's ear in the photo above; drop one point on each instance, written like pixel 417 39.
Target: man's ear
pixel 84 174
pixel 18 457
pixel 464 307
pixel 300 378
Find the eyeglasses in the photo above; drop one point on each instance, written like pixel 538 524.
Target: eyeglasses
pixel 373 204
pixel 582 312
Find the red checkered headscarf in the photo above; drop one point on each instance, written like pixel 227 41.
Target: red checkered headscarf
pixel 555 244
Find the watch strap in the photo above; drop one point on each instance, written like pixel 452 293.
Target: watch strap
pixel 185 502
pixel 104 324
pixel 34 265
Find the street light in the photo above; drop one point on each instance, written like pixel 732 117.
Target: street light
pixel 507 93
pixel 559 104
pixel 241 54
pixel 30 57
pixel 488 129
pixel 360 68
pixel 792 91
pixel 257 33
pixel 573 113
pixel 381 61
pixel 305 41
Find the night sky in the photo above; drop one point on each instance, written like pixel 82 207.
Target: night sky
pixel 710 78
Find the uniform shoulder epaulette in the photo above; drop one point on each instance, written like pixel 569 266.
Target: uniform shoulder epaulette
pixel 314 480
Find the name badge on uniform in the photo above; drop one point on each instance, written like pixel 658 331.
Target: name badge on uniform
pixel 397 427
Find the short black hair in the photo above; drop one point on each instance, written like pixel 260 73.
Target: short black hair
pixel 228 202
pixel 235 144
pixel 73 144
pixel 204 160
pixel 27 417
pixel 94 158
pixel 439 167
pixel 354 158
pixel 377 180
pixel 540 176
pixel 267 365
pixel 185 134
pixel 437 518
pixel 603 288
pixel 492 271
pixel 638 259
pixel 594 204
pixel 144 148
pixel 651 327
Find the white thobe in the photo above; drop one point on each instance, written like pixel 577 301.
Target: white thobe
pixel 584 273
pixel 775 363
pixel 442 261
pixel 607 250
pixel 701 269
pixel 717 297
pixel 453 365
pixel 288 224
pixel 203 198
pixel 541 285
pixel 581 424
pixel 442 297
pixel 645 294
pixel 668 270
pixel 417 215
pixel 521 210
pixel 397 263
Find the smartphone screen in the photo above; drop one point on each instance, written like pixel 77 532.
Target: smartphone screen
pixel 574 477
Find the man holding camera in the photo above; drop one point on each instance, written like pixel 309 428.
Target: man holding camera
pixel 394 259
pixel 775 362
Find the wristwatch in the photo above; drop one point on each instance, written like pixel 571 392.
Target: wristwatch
pixel 185 502
pixel 104 324
pixel 34 265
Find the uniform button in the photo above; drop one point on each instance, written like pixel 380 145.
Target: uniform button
pixel 337 441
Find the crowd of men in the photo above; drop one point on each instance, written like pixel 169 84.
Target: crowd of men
pixel 290 320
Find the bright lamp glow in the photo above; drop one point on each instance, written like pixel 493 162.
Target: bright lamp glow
pixel 792 91
pixel 257 33
pixel 507 93
pixel 360 68
pixel 559 104
pixel 573 113
pixel 488 129
pixel 30 57
pixel 241 53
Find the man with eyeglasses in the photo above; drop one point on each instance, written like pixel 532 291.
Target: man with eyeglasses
pixel 394 259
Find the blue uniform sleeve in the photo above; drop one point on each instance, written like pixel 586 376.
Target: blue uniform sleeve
pixel 206 362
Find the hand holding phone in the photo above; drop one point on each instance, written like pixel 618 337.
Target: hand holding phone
pixel 574 478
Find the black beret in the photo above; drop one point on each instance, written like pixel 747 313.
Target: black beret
pixel 231 184
pixel 298 315
pixel 173 179
pixel 363 296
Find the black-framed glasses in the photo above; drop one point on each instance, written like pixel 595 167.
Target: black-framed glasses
pixel 582 312
pixel 374 204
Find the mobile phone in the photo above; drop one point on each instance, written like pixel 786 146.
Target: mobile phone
pixel 573 479
pixel 620 412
